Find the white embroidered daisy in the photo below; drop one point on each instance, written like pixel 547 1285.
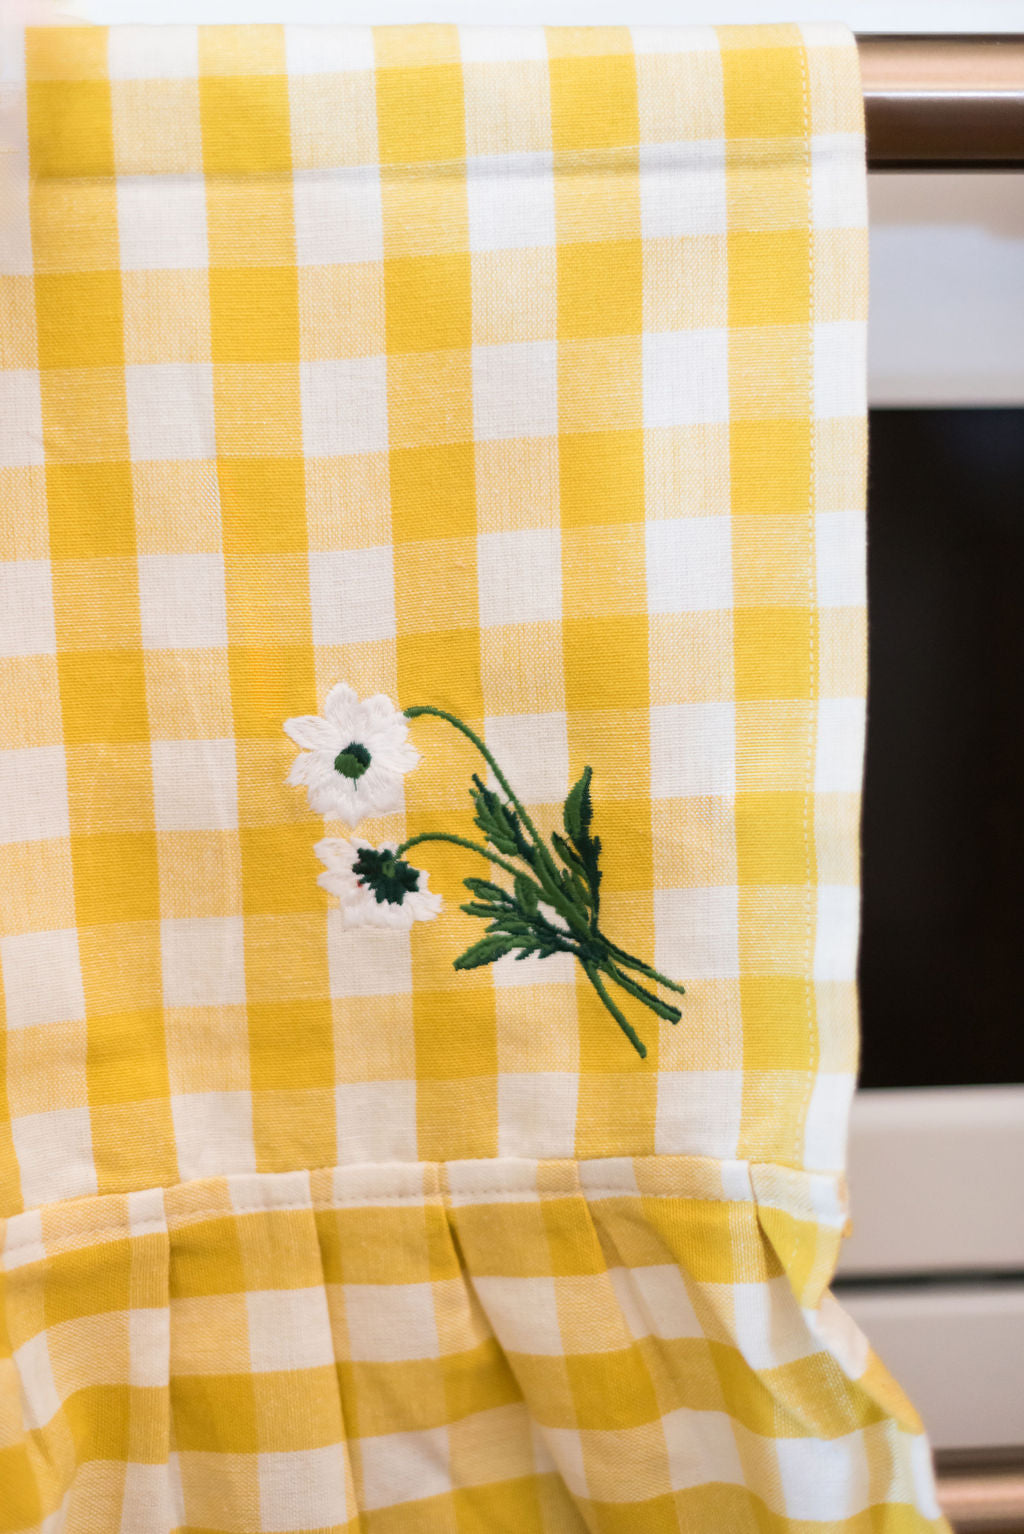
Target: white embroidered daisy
pixel 354 758
pixel 375 888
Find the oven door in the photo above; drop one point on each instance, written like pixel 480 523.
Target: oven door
pixel 934 1269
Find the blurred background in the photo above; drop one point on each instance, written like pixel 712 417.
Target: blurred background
pixel 934 1271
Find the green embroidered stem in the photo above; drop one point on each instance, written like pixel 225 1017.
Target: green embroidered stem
pixel 662 1008
pixel 630 962
pixel 459 841
pixel 439 713
pixel 620 1018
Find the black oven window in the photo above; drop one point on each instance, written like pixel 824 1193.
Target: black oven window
pixel 942 948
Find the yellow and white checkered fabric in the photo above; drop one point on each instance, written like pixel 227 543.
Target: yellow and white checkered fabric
pixel 519 373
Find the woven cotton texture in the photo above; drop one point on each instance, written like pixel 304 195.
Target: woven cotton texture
pixel 519 374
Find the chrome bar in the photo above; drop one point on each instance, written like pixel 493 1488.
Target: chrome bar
pixel 983 1503
pixel 943 102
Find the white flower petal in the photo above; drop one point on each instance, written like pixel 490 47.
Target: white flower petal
pixel 379 790
pixel 396 755
pixel 336 796
pixel 298 773
pixel 379 709
pixel 339 703
pixel 425 904
pixel 311 733
pixel 337 854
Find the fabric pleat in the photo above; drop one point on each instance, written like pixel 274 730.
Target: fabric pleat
pixel 509 1345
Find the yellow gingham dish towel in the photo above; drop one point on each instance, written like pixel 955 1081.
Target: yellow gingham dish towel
pixel 516 376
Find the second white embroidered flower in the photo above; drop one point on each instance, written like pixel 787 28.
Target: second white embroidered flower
pixel 354 758
pixel 374 886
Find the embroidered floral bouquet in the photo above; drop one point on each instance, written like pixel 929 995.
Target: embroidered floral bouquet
pixel 352 764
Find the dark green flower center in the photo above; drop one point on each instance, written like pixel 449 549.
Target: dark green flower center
pixel 353 761
pixel 390 878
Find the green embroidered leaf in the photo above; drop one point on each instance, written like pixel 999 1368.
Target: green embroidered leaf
pixel 490 812
pixel 514 927
pixel 486 890
pixel 574 878
pixel 500 823
pixel 577 816
pixel 487 806
pixel 486 952
pixel 527 894
pixel 570 857
pixel 579 808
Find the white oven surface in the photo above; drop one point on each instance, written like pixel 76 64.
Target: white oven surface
pixel 936 1181
pixel 957 1350
pixel 937 1193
